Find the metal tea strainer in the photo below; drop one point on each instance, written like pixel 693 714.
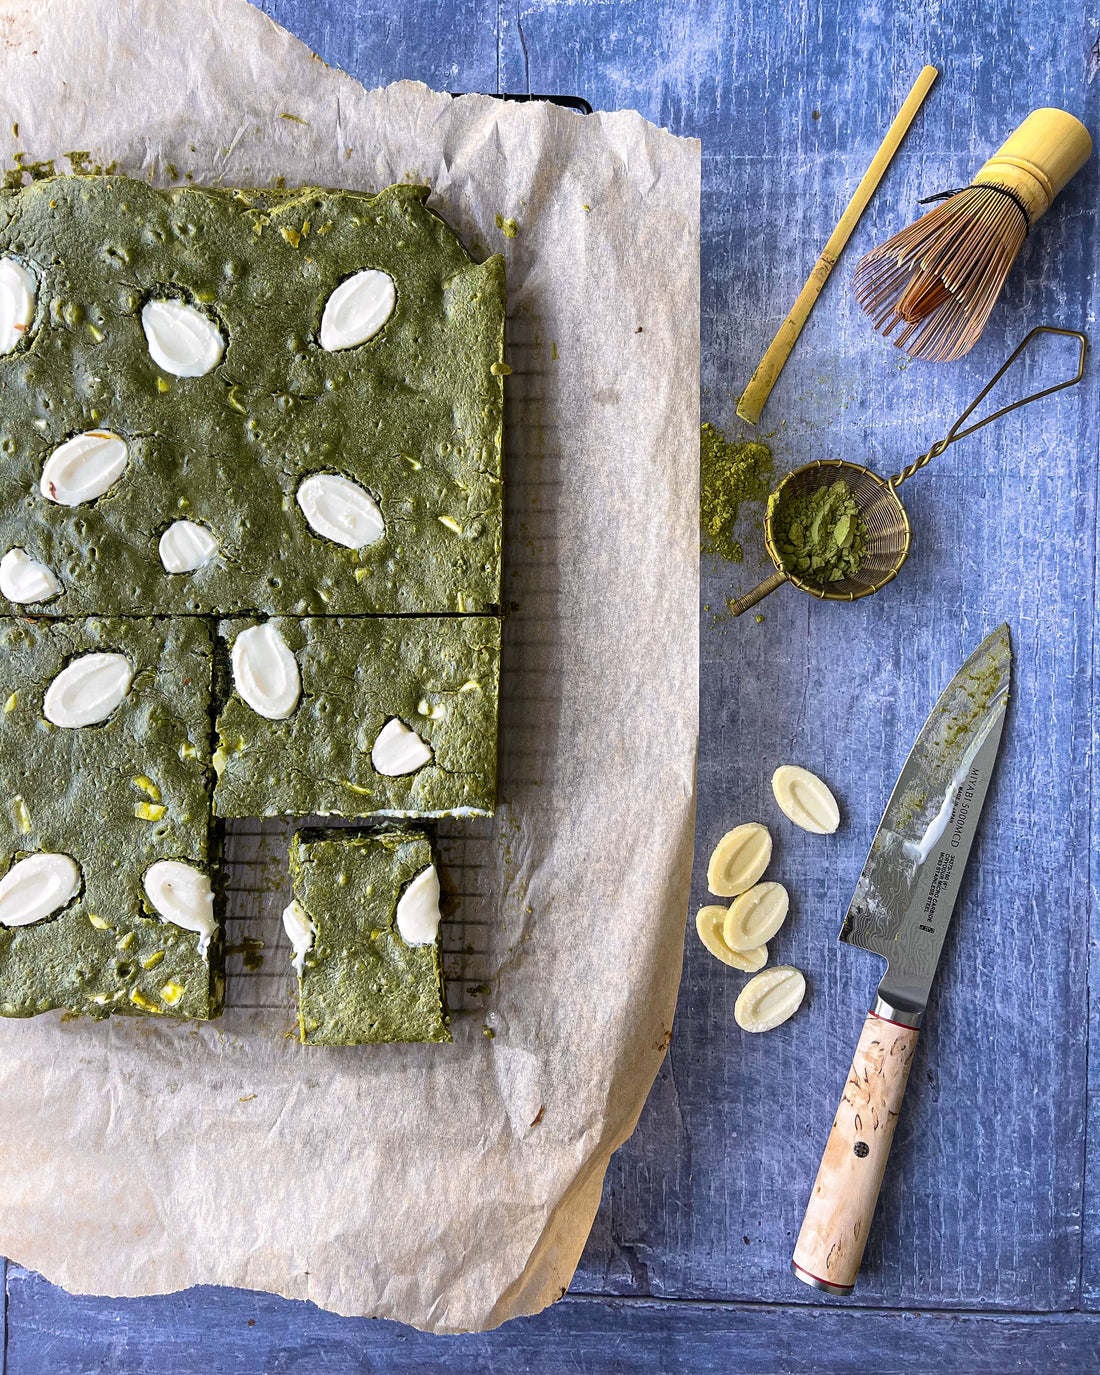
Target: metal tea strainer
pixel 888 530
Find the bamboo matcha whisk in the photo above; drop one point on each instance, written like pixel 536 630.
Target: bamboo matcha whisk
pixel 934 285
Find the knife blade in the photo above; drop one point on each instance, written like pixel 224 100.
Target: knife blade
pixel 901 910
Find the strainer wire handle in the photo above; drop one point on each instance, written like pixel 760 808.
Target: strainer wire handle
pixel 955 433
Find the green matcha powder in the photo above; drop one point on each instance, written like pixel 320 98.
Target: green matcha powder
pixel 730 474
pixel 820 535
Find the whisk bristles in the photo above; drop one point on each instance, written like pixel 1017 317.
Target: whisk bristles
pixel 934 285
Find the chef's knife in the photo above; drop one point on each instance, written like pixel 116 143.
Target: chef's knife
pixel 901 910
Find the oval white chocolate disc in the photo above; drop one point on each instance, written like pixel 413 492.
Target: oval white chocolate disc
pixel 398 750
pixel 25 580
pixel 265 672
pixel 182 895
pixel 181 339
pixel 805 799
pixel 340 510
pixel 37 887
pixel 185 546
pixel 770 998
pixel 418 909
pixel 739 859
pixel 297 925
pixel 755 916
pixel 84 467
pixel 357 309
pixel 17 295
pixel 709 922
pixel 86 691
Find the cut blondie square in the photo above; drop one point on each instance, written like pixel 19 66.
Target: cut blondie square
pixel 106 898
pixel 357 717
pixel 364 926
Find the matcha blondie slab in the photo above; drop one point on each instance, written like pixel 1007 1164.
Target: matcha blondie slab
pixel 365 928
pixel 357 717
pixel 106 903
pixel 225 402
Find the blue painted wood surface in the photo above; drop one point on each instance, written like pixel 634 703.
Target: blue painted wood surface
pixel 992 1201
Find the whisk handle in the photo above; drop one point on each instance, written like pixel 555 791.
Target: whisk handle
pixel 758 593
pixel 955 432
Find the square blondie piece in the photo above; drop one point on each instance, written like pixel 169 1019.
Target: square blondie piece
pixel 370 972
pixel 357 717
pixel 245 402
pixel 104 799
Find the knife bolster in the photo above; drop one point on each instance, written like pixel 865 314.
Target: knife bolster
pixel 891 1012
pixel 845 1192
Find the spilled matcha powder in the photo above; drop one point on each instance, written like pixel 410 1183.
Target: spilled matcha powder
pixel 730 474
pixel 820 535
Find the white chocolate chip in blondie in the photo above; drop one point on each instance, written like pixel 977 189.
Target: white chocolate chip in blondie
pixel 301 930
pixel 181 339
pixel 84 467
pixel 357 309
pixel 183 895
pixel 37 887
pixel 399 750
pixel 88 690
pixel 25 580
pixel 265 672
pixel 18 290
pixel 418 909
pixel 186 546
pixel 340 510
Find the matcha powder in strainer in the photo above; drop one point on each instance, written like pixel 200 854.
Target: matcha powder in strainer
pixel 821 535
pixel 730 474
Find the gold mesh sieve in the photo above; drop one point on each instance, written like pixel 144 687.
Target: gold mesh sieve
pixel 888 529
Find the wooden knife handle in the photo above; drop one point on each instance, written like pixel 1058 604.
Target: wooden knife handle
pixel 842 1202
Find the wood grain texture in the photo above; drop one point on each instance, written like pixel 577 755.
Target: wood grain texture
pixel 845 1193
pixel 992 1196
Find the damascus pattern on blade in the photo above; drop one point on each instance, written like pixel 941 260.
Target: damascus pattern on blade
pixel 908 886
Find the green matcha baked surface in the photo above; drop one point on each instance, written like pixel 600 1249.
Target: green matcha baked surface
pixel 116 797
pixel 438 677
pixel 412 415
pixel 360 982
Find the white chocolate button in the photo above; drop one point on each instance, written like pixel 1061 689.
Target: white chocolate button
pixel 769 999
pixel 182 895
pixel 418 909
pixel 84 467
pixel 805 799
pixel 25 580
pixel 265 672
pixel 340 510
pixel 86 691
pixel 357 309
pixel 301 930
pixel 399 750
pixel 185 546
pixel 181 339
pixel 709 922
pixel 37 887
pixel 17 295
pixel 755 916
pixel 739 859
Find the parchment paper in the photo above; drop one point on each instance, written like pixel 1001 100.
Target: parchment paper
pixel 451 1187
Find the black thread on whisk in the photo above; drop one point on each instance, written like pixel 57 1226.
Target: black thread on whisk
pixel 984 186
